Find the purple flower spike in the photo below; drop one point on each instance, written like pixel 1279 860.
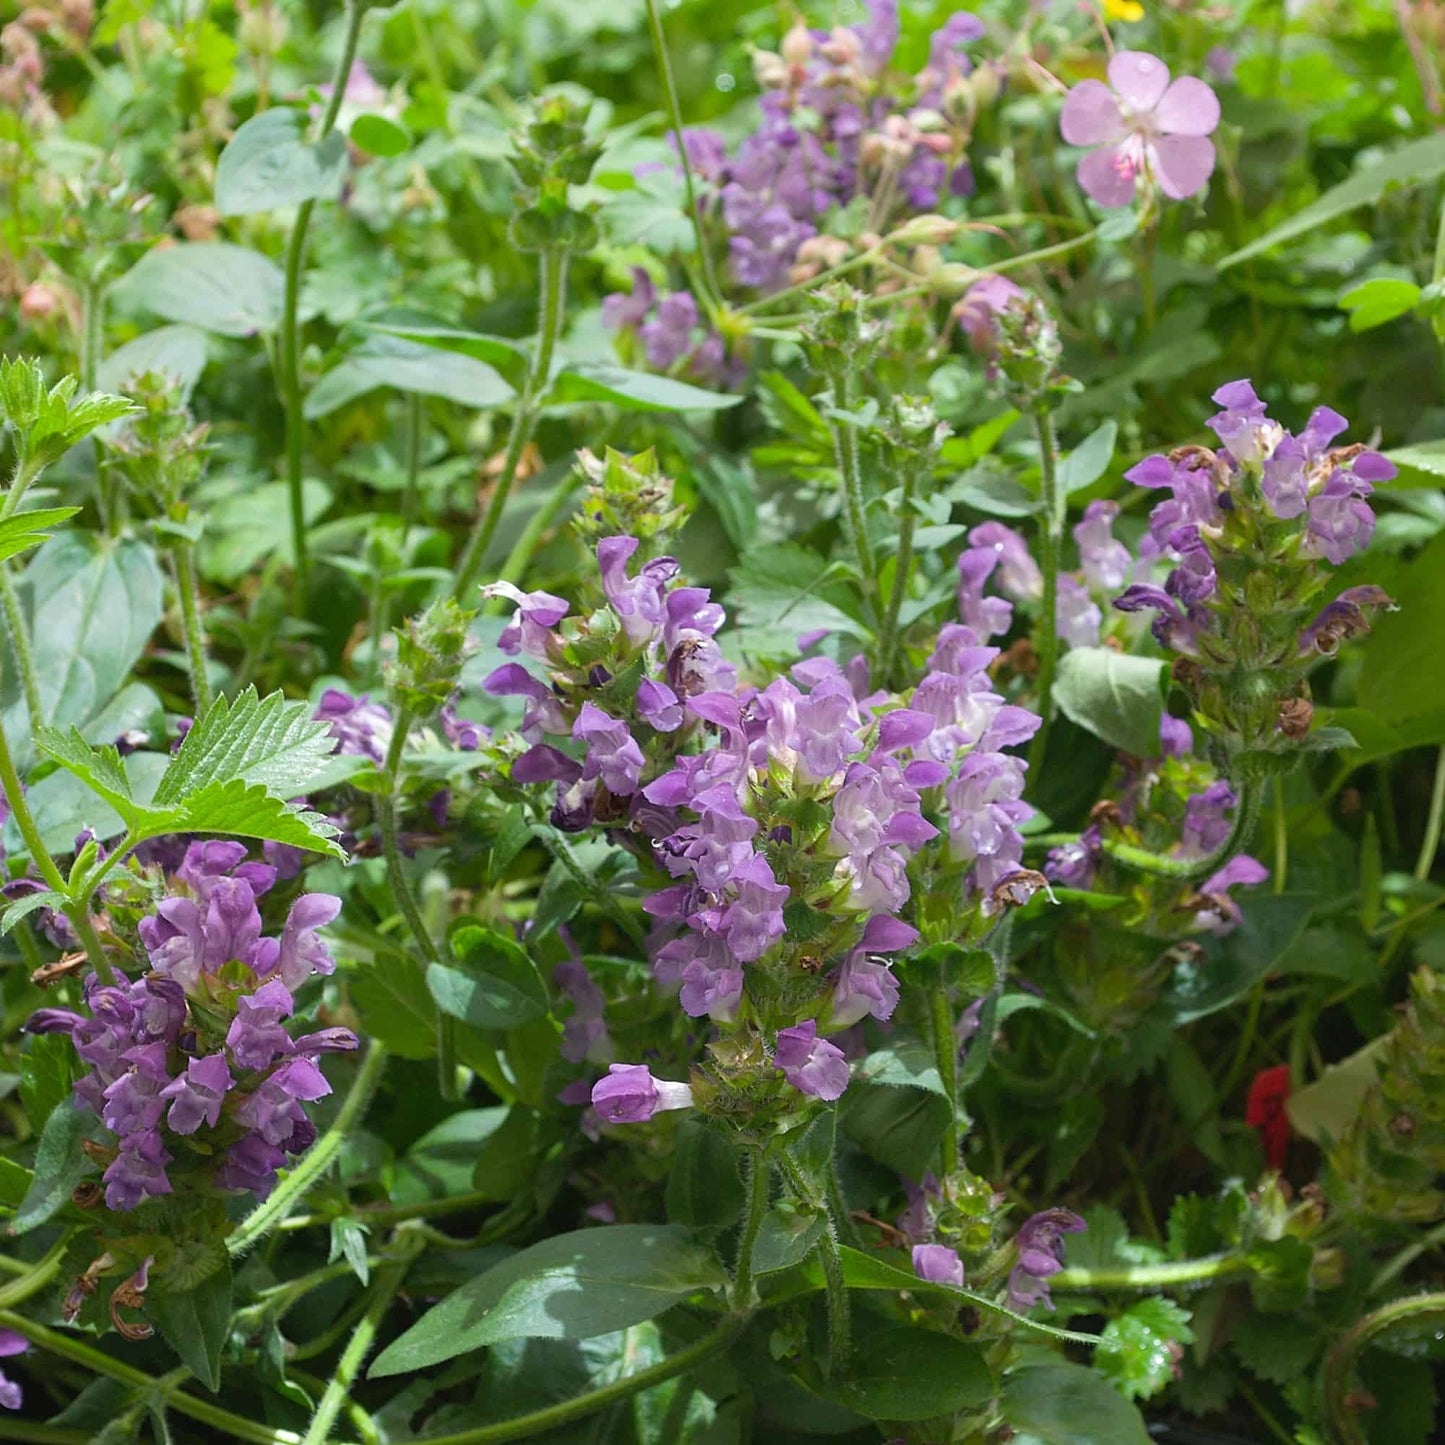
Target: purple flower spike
pixel 1144 127
pixel 938 1264
pixel 256 1035
pixel 630 1095
pixel 1041 1255
pixel 810 1064
pixel 612 752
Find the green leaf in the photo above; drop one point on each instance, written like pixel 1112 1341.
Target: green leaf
pixel 1375 302
pixel 27 529
pixel 252 525
pixel 1090 459
pixel 774 593
pixel 391 997
pixel 572 1286
pixel 900 1127
pixel 102 769
pixel 179 352
pixel 195 1323
pixel 269 742
pixel 1411 164
pixel 787 1237
pixel 1400 660
pixel 1066 1404
pixel 1277 1348
pixel 60 1164
pixel 443 1160
pixel 228 289
pixel 494 985
pixel 913 1374
pixel 1422 457
pixel 631 390
pixel 1322 1110
pixel 379 135
pixel 1117 697
pixel 269 163
pixel 1145 1341
pixel 248 810
pixel 31 903
pixel 47 1070
pixel 348 1241
pixel 704 1189
pixel 389 361
pixel 496 351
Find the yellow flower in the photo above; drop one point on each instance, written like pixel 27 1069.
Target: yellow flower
pixel 1123 10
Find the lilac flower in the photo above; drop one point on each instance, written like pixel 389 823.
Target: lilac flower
pixel 1077 615
pixel 640 602
pixel 938 1264
pixel 251 1165
pixel 978 310
pixel 612 752
pixel 273 1110
pixel 362 728
pixel 198 1094
pixel 1175 736
pixel 810 1064
pixel 543 713
pixel 1340 520
pixel 1218 913
pixel 667 337
pixel 530 629
pixel 659 706
pixel 133 1103
pixel 584 1035
pixel 753 921
pixel 138 1171
pixel 1144 127
pixel 620 310
pixel 462 733
pixel 1105 561
pixel 11 1343
pixel 1074 865
pixel 1206 825
pixel 1040 1256
pixel 301 952
pixel 630 1095
pixel 1343 618
pixel 256 1035
pixel 1018 574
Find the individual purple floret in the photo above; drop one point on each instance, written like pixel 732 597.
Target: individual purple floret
pixel 362 728
pixel 938 1264
pixel 630 1095
pixel 810 1064
pixel 1040 1243
pixel 11 1343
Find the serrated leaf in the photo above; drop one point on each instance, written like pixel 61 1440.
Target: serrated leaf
pixel 60 1164
pixel 28 529
pixel 1144 1344
pixel 246 810
pixel 270 163
pixel 1278 1348
pixel 24 907
pixel 195 1323
pixel 102 769
pixel 269 742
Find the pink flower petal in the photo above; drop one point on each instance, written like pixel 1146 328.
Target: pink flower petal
pixel 1183 164
pixel 1139 78
pixel 1091 115
pixel 1189 107
pixel 1105 178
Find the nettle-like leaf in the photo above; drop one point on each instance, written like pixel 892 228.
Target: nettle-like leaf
pixel 102 769
pixel 246 810
pixel 268 742
pixel 1146 1340
pixel 22 908
pixel 28 529
pixel 47 420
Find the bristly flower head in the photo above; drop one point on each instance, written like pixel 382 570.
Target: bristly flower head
pixel 1148 131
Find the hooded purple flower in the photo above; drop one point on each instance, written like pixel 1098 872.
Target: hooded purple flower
pixel 256 1035
pixel 1040 1245
pixel 1143 126
pixel 530 629
pixel 620 310
pixel 1218 913
pixel 630 1095
pixel 978 311
pixel 137 1172
pixel 198 1094
pixel 362 728
pixel 938 1264
pixel 810 1064
pixel 640 602
pixel 11 1343
pixel 1105 561
pixel 612 752
pixel 1206 821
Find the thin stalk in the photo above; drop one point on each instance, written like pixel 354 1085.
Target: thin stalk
pixel 840 1338
pixel 415 429
pixel 945 1055
pixel 1186 870
pixel 92 329
pixel 902 567
pixel 1396 1266
pixel 77 913
pixel 1281 838
pixel 355 1353
pixel 539 1422
pixel 1045 253
pixel 848 456
pixel 290 325
pixel 674 114
pixel 1430 844
pixel 316 1161
pixel 20 646
pixel 1051 538
pixel 68 1347
pixel 189 592
pixel 1419 1310
pixel 552 307
pixel 36 1276
pixel 759 1175
pixel 1174 1272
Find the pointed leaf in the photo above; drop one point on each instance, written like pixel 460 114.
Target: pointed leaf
pixel 231 290
pixel 27 529
pixel 269 163
pixel 506 356
pixel 493 985
pixel 246 810
pixel 195 1323
pixel 632 390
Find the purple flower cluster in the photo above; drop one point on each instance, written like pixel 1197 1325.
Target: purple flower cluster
pixel 201 1041
pixel 1040 1245
pixel 670 331
pixel 835 130
pixel 362 728
pixel 11 1343
pixel 1265 493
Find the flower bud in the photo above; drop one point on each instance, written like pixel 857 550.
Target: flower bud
pixel 925 230
pixel 38 301
pixel 630 1095
pixel 797 46
pixel 770 70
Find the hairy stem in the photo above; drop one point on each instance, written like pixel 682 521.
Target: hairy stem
pixel 945 1054
pixel 1421 1310
pixel 902 568
pixel 316 1161
pixel 415 430
pixel 759 1175
pixel 848 456
pixel 539 1422
pixel 20 646
pixel 1051 538
pixel 1173 1272
pixel 290 367
pixel 188 589
pixel 552 308
pixel 1430 844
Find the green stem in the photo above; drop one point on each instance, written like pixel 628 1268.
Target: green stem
pixel 945 1054
pixel 1046 253
pixel 539 1422
pixel 902 567
pixel 69 1348
pixel 840 1341
pixel 1395 1267
pixel 36 1277
pixel 316 1161
pixel 92 329
pixel 1174 1272
pixel 20 646
pixel 290 325
pixel 759 1176
pixel 848 456
pixel 415 427
pixel 1430 844
pixel 674 113
pixel 1186 870
pixel 358 1347
pixel 188 589
pixel 552 308
pixel 1281 838
pixel 77 913
pixel 1419 1310
pixel 1051 538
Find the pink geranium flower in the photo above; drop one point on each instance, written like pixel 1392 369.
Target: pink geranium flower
pixel 1144 127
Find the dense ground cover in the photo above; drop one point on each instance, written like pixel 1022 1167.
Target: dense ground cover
pixel 773 788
